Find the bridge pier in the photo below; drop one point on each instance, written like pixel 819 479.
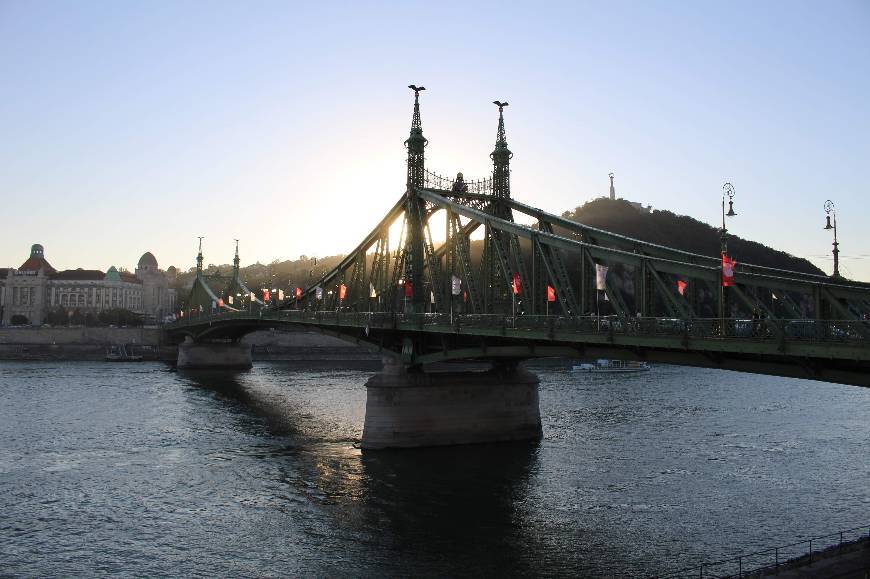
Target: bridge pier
pixel 230 355
pixel 407 409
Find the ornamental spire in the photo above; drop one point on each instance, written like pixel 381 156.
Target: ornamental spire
pixel 236 260
pixel 501 156
pixel 416 143
pixel 199 259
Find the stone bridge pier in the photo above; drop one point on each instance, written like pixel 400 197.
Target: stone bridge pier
pixel 214 355
pixel 407 407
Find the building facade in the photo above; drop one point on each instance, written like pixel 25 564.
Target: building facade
pixel 30 292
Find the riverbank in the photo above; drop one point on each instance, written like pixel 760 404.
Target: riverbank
pixel 90 344
pixel 847 561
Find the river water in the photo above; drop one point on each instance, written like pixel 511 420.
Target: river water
pixel 140 471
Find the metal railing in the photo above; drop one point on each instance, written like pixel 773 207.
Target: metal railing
pixel 435 181
pixel 855 332
pixel 773 558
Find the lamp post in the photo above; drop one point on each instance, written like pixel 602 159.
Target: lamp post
pixel 831 210
pixel 727 191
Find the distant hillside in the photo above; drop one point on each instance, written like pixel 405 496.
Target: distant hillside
pixel 681 232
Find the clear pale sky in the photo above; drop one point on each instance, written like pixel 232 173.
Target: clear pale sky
pixel 134 126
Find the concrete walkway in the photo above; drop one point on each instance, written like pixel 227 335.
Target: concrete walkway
pixel 854 563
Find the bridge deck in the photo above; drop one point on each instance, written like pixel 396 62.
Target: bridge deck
pixel 837 341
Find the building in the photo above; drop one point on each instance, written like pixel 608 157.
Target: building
pixel 31 291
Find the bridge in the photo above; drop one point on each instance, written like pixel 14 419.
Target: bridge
pixel 500 292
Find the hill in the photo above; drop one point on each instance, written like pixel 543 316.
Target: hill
pixel 681 232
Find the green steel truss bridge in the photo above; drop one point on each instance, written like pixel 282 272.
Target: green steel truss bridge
pixel 503 291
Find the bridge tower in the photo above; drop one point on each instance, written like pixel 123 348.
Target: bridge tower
pixel 416 172
pixel 502 259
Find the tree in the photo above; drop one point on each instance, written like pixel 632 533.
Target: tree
pixel 77 318
pixel 57 317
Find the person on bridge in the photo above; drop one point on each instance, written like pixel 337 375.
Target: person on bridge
pixel 459 186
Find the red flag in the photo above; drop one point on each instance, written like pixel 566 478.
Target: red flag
pixel 681 287
pixel 465 296
pixel 299 293
pixel 409 289
pixel 551 293
pixel 220 303
pixel 728 265
pixel 517 284
pixel 265 295
pixel 342 291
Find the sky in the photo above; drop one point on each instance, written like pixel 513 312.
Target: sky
pixel 139 126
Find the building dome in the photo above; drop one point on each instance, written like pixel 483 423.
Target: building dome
pixel 36 250
pixel 112 274
pixel 148 260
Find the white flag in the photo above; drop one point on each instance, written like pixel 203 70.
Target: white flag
pixel 253 297
pixel 773 295
pixel 230 299
pixel 213 304
pixel 432 294
pixel 600 276
pixel 318 293
pixel 455 286
pixel 372 292
pixel 280 295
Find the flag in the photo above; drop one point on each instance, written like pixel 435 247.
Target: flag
pixel 213 304
pixel 681 287
pixel 465 296
pixel 600 276
pixel 455 285
pixel 265 295
pixel 280 295
pixel 727 271
pixel 200 308
pixel 517 284
pixel 342 292
pixel 409 289
pixel 318 293
pixel 298 293
pixel 230 299
pixel 252 296
pixel 432 296
pixel 607 299
pixel 372 292
pixel 551 293
pixel 774 296
pixel 220 303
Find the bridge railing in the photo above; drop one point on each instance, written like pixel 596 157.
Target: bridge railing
pixel 775 558
pixel 827 331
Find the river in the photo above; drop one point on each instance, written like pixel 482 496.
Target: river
pixel 142 471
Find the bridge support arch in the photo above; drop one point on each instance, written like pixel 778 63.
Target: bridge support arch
pixel 408 407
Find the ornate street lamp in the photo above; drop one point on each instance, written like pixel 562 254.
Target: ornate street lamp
pixel 831 210
pixel 727 191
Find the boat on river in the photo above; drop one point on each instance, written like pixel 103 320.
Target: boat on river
pixel 605 366
pixel 120 354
